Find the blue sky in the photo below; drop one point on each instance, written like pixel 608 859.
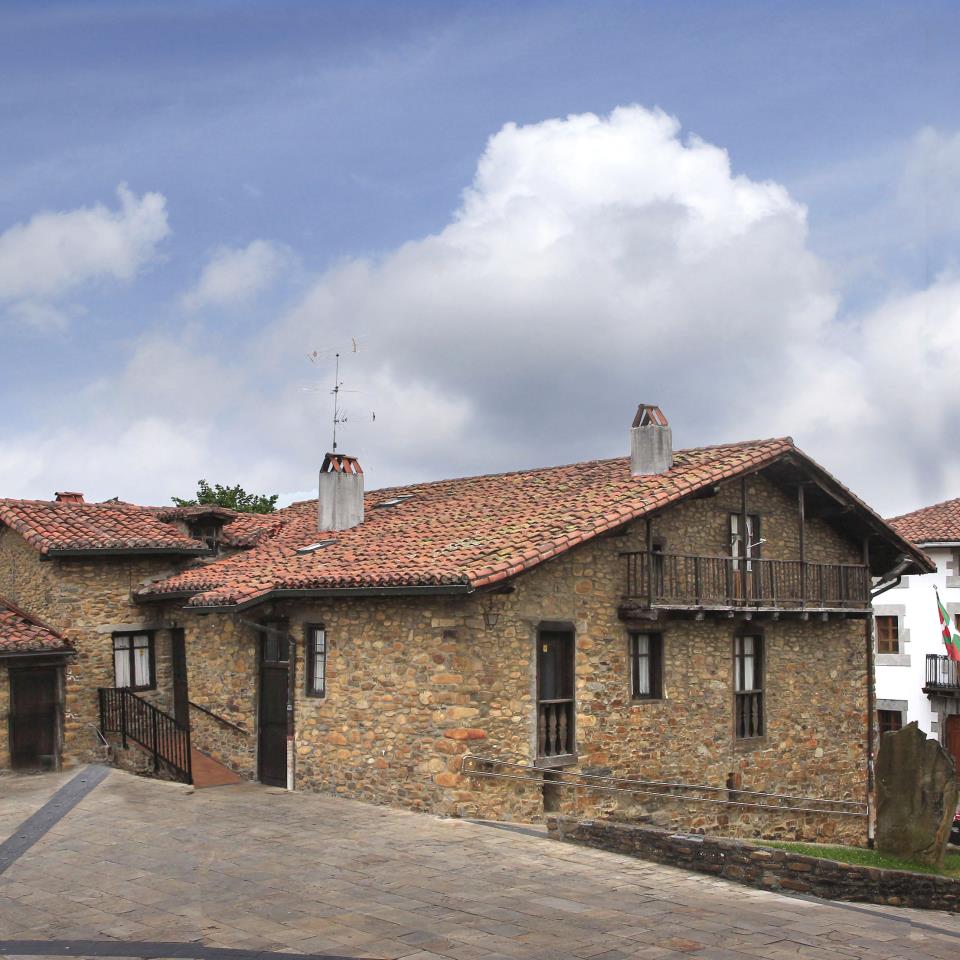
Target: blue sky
pixel 344 134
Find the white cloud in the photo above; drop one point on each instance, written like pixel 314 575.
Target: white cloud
pixel 55 252
pixel 233 276
pixel 593 263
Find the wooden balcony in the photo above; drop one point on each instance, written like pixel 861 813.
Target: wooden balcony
pixel 942 677
pixel 727 585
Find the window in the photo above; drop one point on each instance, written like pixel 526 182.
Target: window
pixel 275 645
pixel 133 666
pixel 646 666
pixel 889 720
pixel 315 652
pixel 888 634
pixel 748 687
pixel 753 537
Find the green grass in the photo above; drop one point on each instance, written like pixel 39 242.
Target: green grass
pixel 867 858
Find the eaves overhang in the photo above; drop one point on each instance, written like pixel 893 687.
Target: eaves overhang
pixel 449 589
pixel 55 552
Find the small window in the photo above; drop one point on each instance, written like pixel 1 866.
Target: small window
pixel 749 718
pixel 646 666
pixel 888 634
pixel 133 666
pixel 889 720
pixel 315 650
pixel 275 646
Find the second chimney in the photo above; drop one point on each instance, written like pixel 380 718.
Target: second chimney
pixel 69 496
pixel 340 503
pixel 651 442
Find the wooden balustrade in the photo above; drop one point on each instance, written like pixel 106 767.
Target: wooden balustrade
pixel 670 579
pixel 555 728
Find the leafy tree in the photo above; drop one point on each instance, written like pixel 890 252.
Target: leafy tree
pixel 236 498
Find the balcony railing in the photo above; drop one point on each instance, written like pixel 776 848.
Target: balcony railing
pixel 681 580
pixel 943 674
pixel 555 728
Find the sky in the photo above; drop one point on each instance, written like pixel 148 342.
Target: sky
pixel 514 222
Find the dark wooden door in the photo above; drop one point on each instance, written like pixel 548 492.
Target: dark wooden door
pixel 555 701
pixel 35 718
pixel 272 727
pixel 178 658
pixel 953 740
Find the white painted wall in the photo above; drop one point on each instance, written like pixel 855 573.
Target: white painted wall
pixel 901 677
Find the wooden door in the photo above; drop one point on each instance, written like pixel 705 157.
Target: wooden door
pixel 35 718
pixel 555 684
pixel 272 723
pixel 953 740
pixel 178 658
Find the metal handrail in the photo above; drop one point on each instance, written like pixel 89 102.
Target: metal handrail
pixel 218 718
pixel 606 781
pixel 123 712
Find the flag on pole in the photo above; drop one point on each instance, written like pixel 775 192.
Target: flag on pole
pixel 951 638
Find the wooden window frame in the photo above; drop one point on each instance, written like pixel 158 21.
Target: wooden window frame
pixel 151 658
pixel 759 673
pixel 884 642
pixel 655 656
pixel 883 727
pixel 310 660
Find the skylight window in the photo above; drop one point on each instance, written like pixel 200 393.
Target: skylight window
pixel 319 545
pixel 393 501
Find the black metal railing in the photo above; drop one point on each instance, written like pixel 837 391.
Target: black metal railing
pixel 686 580
pixel 555 728
pixel 942 673
pixel 123 712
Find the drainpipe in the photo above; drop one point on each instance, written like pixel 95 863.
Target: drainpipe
pixel 291 690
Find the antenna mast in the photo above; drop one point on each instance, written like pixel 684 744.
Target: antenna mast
pixel 337 384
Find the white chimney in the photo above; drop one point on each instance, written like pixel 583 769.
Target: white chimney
pixel 340 503
pixel 651 442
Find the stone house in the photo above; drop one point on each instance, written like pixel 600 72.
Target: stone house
pixel 697 617
pixel 916 681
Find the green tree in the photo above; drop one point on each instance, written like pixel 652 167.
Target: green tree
pixel 236 498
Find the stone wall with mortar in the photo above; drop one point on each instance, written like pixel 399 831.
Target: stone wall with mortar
pixel 413 684
pixel 86 599
pixel 769 869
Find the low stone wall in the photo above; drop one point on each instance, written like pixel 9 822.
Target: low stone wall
pixel 764 868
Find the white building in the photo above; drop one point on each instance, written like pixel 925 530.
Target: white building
pixel 915 680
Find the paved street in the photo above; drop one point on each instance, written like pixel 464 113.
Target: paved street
pixel 258 870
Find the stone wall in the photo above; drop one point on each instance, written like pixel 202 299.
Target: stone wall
pixel 767 869
pixel 86 599
pixel 413 684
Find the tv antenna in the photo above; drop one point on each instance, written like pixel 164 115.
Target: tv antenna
pixel 340 415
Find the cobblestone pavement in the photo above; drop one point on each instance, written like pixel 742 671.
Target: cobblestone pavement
pixel 147 869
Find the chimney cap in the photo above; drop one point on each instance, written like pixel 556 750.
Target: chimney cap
pixel 340 463
pixel 69 496
pixel 649 414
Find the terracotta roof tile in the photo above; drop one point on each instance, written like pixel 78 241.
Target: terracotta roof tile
pixel 51 527
pixel 939 523
pixel 472 532
pixel 21 633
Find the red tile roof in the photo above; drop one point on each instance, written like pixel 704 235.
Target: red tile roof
pixel 939 523
pixel 470 532
pixel 54 527
pixel 20 633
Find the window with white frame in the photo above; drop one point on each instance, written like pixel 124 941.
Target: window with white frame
pixel 133 661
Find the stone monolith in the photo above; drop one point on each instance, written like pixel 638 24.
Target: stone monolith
pixel 916 796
